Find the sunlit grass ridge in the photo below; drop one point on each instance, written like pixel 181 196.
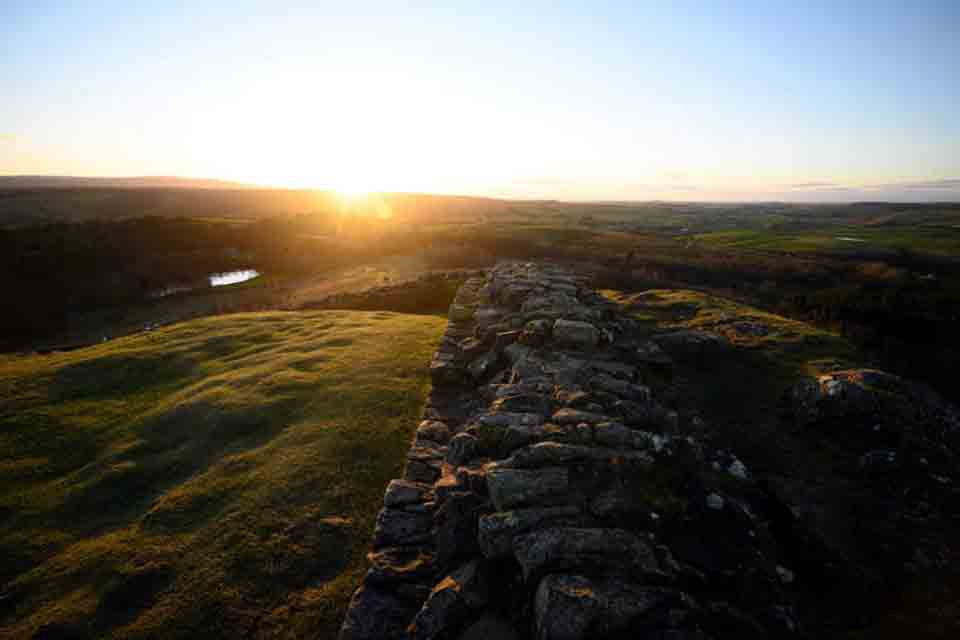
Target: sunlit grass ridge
pixel 215 478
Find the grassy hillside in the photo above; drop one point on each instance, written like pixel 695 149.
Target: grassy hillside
pixel 940 240
pixel 737 382
pixel 217 478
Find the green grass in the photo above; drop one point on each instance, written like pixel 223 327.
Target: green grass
pixel 217 478
pixel 940 240
pixel 738 389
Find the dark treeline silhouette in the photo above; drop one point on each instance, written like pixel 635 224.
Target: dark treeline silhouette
pixel 49 272
pixel 902 313
pixel 901 306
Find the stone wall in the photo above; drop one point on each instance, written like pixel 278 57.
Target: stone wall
pixel 548 495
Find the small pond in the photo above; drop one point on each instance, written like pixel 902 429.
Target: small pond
pixel 213 280
pixel 232 277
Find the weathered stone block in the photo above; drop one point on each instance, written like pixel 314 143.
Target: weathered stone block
pixel 509 419
pixel 455 531
pixel 447 373
pixel 576 416
pixel 537 332
pixel 522 403
pixel 404 492
pixel 613 434
pixel 504 339
pixel 621 388
pixel 401 564
pixel 558 453
pixel 447 484
pixel 463 448
pixel 472 347
pixel 396 527
pixel 421 471
pixel 590 550
pixel 575 334
pixel 517 487
pixel 461 313
pixel 516 352
pixel 497 530
pixel 572 607
pixel 431 433
pixel 483 366
pixel 615 369
pixel 450 603
pixel 375 614
pixel 487 315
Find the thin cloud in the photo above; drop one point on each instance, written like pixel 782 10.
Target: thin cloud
pixel 543 181
pixel 947 183
pixel 801 186
pixel 839 188
pixel 906 190
pixel 661 186
pixel 7 138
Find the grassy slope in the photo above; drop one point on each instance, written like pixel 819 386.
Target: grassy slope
pixel 942 241
pixel 738 389
pixel 216 478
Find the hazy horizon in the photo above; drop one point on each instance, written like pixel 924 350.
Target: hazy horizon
pixel 599 102
pixel 49 180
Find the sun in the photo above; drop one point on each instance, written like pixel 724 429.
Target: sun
pixel 351 193
pixel 352 189
pixel 352 186
pixel 352 197
pixel 358 198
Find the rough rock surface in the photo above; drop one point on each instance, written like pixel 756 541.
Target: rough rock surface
pixel 548 494
pixel 900 443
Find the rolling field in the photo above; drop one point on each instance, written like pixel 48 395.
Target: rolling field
pixel 215 478
pixel 841 239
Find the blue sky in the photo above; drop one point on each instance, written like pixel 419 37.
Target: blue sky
pixel 599 100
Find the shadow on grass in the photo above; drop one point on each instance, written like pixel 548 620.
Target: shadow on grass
pixel 118 375
pixel 211 498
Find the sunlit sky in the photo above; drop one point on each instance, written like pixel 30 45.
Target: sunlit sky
pixel 594 100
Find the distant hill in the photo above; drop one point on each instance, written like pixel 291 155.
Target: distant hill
pixel 138 182
pixel 37 200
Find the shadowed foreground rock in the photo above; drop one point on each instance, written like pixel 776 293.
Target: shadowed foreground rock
pixel 548 494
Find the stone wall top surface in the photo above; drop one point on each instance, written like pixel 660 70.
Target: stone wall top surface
pixel 547 494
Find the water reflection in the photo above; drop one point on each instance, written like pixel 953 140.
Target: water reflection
pixel 232 277
pixel 213 280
